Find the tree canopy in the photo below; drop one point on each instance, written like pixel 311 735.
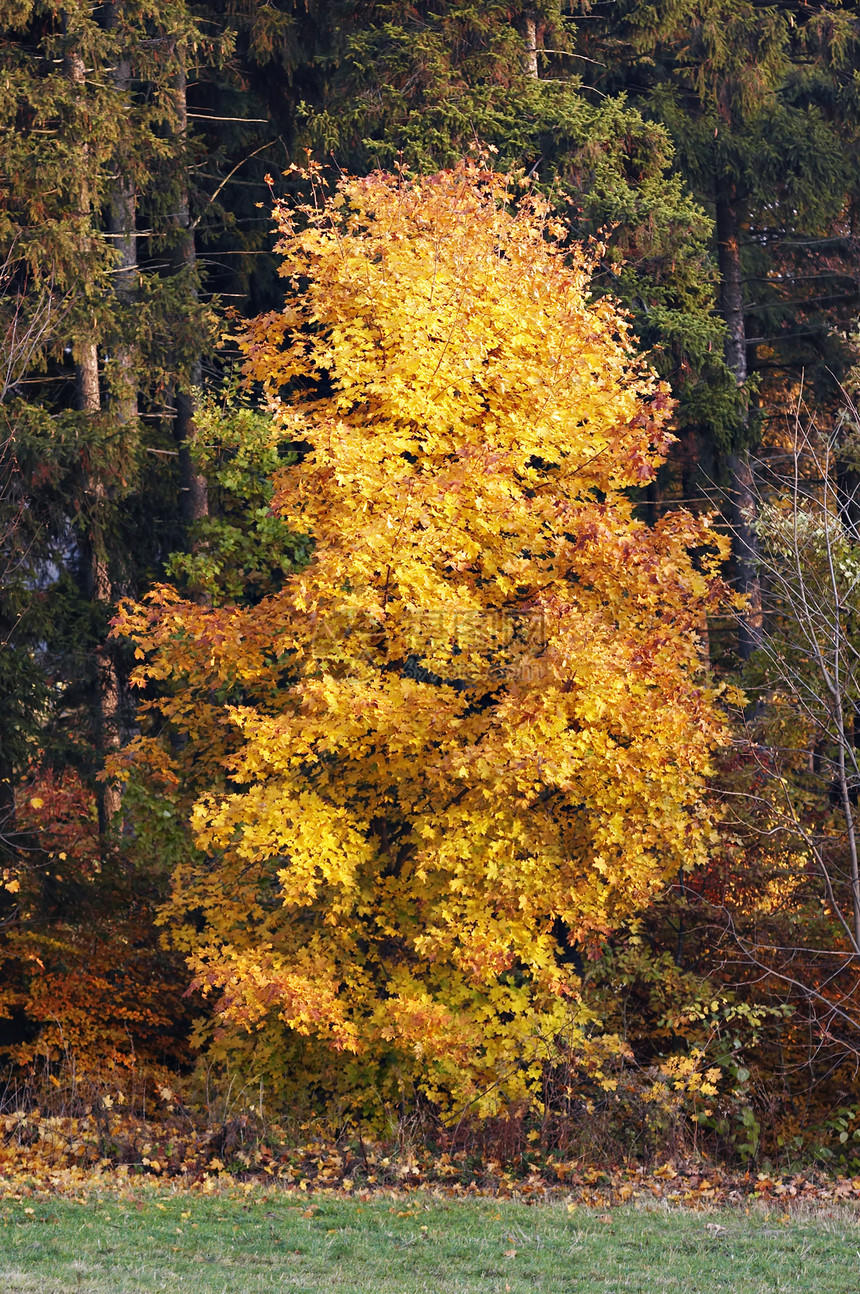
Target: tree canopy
pixel 472 732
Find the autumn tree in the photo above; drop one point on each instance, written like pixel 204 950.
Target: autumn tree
pixel 470 735
pixel 425 82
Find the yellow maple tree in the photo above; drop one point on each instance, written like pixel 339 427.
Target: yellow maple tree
pixel 471 735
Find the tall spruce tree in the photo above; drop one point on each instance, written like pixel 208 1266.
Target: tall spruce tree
pixel 93 154
pixel 761 103
pixel 89 132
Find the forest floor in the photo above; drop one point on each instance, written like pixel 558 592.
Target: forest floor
pixel 257 1238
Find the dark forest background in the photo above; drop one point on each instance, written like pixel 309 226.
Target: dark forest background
pixel 711 150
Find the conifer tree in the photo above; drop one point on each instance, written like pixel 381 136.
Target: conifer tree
pixel 89 144
pixel 760 103
pixel 89 130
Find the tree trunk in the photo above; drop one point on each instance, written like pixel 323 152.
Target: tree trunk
pixel 7 809
pixel 742 494
pixel 194 502
pixel 88 401
pixel 108 691
pixel 530 53
pixel 122 228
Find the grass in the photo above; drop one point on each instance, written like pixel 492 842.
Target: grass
pixel 273 1241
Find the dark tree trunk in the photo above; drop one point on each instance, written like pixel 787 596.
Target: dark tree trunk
pixel 7 808
pixel 122 229
pixel 108 691
pixel 848 493
pixel 88 401
pixel 194 502
pixel 742 492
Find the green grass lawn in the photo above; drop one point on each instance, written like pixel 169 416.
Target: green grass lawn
pixel 270 1241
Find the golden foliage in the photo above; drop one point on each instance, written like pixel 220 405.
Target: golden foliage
pixel 474 725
